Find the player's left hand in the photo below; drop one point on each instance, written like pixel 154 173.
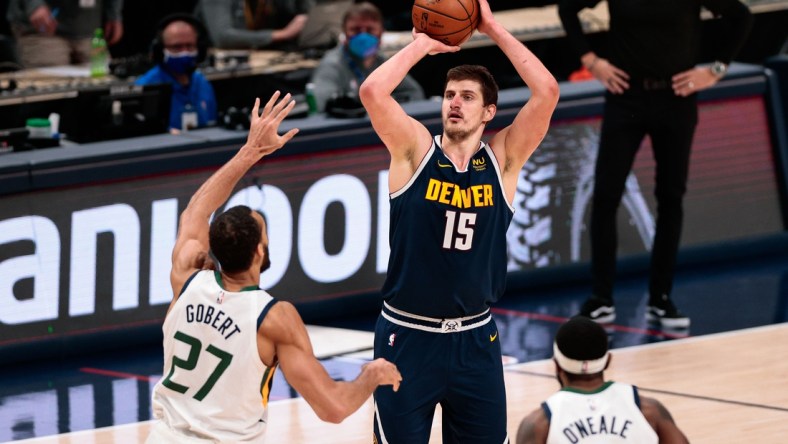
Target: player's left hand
pixel 693 80
pixel 486 18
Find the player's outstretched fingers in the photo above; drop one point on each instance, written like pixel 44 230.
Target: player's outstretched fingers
pixel 255 110
pixel 270 104
pixel 289 135
pixel 282 113
pixel 277 110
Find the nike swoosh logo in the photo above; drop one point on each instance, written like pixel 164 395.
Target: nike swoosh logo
pixel 442 165
pixel 492 337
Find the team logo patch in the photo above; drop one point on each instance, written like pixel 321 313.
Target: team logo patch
pixel 391 339
pixel 479 164
pixel 450 325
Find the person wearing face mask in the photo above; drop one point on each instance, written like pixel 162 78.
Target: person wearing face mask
pixel 178 48
pixel 343 68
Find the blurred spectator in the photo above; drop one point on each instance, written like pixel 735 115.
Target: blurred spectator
pixel 50 33
pixel 254 23
pixel 140 19
pixel 344 68
pixel 180 45
pixel 396 15
pixel 8 59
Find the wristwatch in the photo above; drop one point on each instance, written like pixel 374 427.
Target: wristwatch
pixel 719 69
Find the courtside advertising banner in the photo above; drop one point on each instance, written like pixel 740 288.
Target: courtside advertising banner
pixel 93 258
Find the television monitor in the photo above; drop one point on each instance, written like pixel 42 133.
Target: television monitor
pixel 118 112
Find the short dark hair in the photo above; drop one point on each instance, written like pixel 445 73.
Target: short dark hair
pixel 364 10
pixel 481 75
pixel 233 237
pixel 581 339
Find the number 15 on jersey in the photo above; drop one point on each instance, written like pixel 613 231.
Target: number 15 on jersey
pixel 458 234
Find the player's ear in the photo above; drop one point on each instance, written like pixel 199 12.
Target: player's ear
pixel 489 112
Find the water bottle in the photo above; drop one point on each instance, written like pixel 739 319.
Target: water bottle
pixel 38 128
pixel 99 55
pixel 311 101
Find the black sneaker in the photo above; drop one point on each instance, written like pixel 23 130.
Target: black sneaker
pixel 599 310
pixel 665 313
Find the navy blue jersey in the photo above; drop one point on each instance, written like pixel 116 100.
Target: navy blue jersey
pixel 448 237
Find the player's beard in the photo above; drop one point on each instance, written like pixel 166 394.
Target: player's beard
pixel 457 134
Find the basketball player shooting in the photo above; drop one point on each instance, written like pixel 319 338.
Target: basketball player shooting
pixel 451 203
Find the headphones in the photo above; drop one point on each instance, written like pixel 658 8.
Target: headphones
pixel 203 41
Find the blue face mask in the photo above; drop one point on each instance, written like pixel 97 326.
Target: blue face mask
pixel 180 62
pixel 363 45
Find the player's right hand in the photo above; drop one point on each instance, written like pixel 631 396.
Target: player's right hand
pixel 384 372
pixel 434 46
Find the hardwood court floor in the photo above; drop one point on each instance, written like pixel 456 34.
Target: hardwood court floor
pixel 723 379
pixel 722 388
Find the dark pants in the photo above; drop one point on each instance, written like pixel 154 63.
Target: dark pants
pixel 670 121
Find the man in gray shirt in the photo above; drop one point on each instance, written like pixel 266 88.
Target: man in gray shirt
pixel 52 33
pixel 343 68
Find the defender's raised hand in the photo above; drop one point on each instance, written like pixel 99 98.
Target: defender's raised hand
pixel 263 136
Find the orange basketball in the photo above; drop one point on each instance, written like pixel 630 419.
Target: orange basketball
pixel 449 21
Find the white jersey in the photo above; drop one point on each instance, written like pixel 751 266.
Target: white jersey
pixel 214 386
pixel 610 414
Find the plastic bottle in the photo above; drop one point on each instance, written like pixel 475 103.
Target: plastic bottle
pixel 39 128
pixel 99 55
pixel 54 125
pixel 311 101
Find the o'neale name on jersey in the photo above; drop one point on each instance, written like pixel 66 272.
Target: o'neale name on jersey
pixel 451 194
pixel 209 316
pixel 592 426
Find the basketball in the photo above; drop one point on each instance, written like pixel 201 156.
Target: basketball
pixel 449 21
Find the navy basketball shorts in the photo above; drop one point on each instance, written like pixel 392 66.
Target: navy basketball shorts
pixel 460 369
